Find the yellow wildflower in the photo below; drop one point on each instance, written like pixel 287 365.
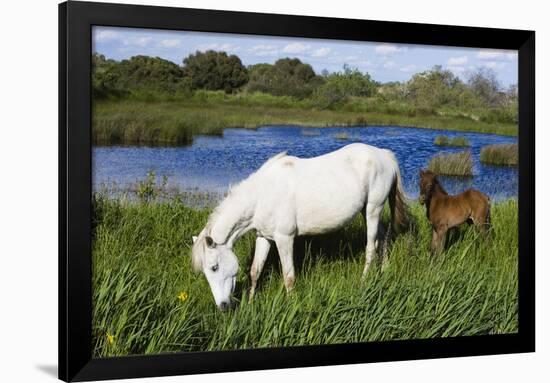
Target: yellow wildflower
pixel 110 338
pixel 182 296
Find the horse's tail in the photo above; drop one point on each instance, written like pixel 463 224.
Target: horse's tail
pixel 399 211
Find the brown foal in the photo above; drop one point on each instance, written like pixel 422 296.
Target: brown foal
pixel 446 211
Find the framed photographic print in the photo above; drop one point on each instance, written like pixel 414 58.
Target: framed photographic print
pixel 246 191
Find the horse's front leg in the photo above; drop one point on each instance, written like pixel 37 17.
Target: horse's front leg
pixel 285 245
pixel 373 218
pixel 438 240
pixel 260 255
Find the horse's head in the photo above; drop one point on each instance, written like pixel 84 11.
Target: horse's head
pixel 427 181
pixel 219 264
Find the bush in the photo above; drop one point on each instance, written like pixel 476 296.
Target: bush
pixel 500 154
pixel 500 115
pixel 453 164
pixel 339 86
pixel 213 70
pixel 287 77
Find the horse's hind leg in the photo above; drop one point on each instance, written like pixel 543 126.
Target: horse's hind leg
pixel 285 245
pixel 260 255
pixel 373 218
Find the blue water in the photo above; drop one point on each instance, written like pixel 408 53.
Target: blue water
pixel 213 163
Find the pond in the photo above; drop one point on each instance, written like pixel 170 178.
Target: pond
pixel 211 164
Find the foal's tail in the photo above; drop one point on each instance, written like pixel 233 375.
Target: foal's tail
pixel 398 207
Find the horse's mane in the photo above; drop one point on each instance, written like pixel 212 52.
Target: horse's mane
pixel 438 184
pixel 240 190
pixel 237 190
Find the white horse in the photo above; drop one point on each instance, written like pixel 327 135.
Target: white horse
pixel 290 196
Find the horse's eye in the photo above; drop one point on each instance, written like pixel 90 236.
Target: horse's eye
pixel 215 268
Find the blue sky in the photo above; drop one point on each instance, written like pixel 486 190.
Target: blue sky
pixel 385 62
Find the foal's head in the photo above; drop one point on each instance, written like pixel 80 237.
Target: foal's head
pixel 428 180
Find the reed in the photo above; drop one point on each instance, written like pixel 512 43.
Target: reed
pixel 458 141
pixel 453 164
pixel 500 154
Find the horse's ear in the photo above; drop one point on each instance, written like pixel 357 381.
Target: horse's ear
pixel 421 172
pixel 210 242
pixel 195 238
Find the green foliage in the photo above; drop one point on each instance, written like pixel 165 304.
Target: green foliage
pixel 484 84
pixel 138 74
pixel 141 267
pixel 443 140
pixel 504 114
pixel 214 70
pixel 453 164
pixel 339 86
pixel 435 88
pixel 500 154
pixel 287 77
pixel 148 190
pixel 147 100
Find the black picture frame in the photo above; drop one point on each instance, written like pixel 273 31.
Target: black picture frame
pixel 75 289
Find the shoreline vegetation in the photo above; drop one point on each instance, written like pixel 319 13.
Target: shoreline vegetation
pixel 500 155
pixel 150 101
pixel 457 141
pixel 460 164
pixel 147 300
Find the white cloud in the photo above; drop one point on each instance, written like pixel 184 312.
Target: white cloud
pixel 138 41
pixel 296 48
pixel 456 69
pixel 490 55
pixel 106 35
pixel 263 50
pixel 457 61
pixel 170 43
pixel 351 58
pixel 512 56
pixel 494 65
pixel 321 52
pixel 408 68
pixel 218 47
pixel 388 49
pixel 390 64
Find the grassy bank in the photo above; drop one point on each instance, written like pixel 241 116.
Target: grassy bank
pixel 147 300
pixel 174 121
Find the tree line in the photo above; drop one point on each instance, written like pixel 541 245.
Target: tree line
pixel 216 70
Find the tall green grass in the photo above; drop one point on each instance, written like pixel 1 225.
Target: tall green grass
pixel 163 120
pixel 500 154
pixel 141 266
pixel 453 164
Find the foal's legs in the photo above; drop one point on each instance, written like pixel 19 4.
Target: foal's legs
pixel 260 255
pixel 285 245
pixel 373 217
pixel 438 239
